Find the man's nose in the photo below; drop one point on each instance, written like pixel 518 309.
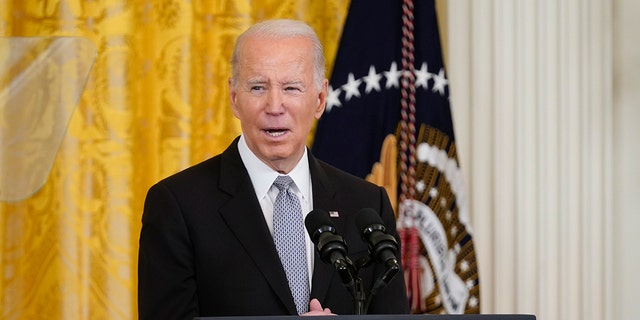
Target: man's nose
pixel 275 102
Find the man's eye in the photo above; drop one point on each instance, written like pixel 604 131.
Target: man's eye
pixel 257 88
pixel 292 89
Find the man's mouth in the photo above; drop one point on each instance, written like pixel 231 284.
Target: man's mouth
pixel 275 132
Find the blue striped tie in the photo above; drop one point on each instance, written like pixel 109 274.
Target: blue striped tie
pixel 288 236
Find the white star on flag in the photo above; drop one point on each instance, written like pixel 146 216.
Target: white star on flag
pixel 393 76
pixel 464 265
pixel 372 80
pixel 351 87
pixel 333 99
pixel 422 76
pixel 473 302
pixel 440 82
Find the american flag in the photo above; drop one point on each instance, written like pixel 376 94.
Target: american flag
pixel 389 84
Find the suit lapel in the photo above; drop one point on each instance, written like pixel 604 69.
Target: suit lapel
pixel 323 198
pixel 244 217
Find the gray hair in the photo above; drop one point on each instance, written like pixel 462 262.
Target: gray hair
pixel 280 29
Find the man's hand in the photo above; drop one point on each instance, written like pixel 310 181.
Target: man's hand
pixel 315 309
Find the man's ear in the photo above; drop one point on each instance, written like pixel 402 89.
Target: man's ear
pixel 322 99
pixel 233 96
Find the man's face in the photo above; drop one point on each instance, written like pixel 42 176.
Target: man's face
pixel 276 98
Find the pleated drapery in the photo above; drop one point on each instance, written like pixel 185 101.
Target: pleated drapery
pixel 156 101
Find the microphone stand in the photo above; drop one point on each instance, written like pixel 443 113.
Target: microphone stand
pixel 383 281
pixel 359 298
pixel 357 290
pixel 349 274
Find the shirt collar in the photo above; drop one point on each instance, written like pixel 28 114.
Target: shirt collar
pixel 262 176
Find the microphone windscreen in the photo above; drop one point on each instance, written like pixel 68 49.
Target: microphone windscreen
pixel 367 217
pixel 316 219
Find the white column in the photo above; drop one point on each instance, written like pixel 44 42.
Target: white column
pixel 531 96
pixel 626 81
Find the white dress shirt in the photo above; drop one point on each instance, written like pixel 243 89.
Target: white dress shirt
pixel 262 178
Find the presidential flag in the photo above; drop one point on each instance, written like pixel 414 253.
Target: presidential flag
pixel 388 119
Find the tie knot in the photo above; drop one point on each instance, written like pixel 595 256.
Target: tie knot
pixel 283 182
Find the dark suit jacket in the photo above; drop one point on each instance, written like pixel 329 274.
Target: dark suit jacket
pixel 206 250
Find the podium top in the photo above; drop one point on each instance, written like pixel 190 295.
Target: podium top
pixel 389 317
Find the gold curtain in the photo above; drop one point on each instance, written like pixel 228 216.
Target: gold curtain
pixel 155 102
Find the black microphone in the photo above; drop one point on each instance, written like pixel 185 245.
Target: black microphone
pixel 383 247
pixel 331 247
